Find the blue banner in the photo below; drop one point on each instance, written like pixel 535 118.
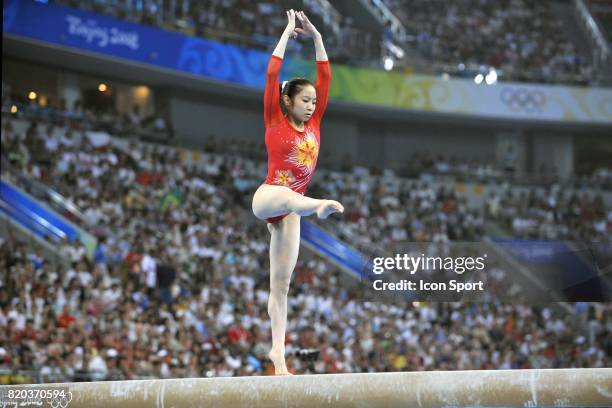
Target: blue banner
pixel 121 39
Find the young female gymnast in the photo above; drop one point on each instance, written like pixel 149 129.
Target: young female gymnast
pixel 292 141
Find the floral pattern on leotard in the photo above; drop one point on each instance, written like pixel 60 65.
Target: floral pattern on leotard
pixel 304 155
pixel 284 178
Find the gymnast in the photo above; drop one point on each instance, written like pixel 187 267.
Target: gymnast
pixel 292 117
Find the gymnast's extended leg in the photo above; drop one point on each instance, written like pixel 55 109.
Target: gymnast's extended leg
pixel 271 201
pixel 284 248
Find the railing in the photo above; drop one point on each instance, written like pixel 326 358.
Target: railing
pixel 42 192
pixel 31 215
pixel 55 199
pixel 382 13
pixel 331 17
pixel 40 219
pixel 385 16
pixel 32 221
pixel 601 49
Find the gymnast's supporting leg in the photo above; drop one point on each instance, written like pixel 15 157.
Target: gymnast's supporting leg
pixel 271 201
pixel 284 248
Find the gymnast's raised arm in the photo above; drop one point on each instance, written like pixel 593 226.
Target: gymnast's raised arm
pixel 323 67
pixel 272 111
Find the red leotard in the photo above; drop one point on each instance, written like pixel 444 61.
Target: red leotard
pixel 292 155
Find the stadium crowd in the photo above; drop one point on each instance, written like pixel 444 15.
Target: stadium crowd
pixel 553 214
pixel 522 39
pixel 177 286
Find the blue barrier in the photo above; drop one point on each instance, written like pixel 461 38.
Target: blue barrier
pixel 332 248
pixel 26 222
pixel 33 216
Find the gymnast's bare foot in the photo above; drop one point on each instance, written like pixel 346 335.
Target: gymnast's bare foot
pixel 278 359
pixel 328 207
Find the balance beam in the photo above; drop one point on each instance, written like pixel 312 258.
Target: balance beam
pixel 590 387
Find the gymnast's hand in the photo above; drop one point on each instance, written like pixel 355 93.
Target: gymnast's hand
pixel 290 29
pixel 308 29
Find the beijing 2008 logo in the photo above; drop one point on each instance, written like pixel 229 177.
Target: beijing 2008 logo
pixel 523 99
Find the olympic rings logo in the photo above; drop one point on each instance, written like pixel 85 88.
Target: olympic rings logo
pixel 522 99
pixel 61 401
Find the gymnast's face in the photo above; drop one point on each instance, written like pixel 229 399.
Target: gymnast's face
pixel 303 105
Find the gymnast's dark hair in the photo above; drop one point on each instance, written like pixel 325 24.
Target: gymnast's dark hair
pixel 292 88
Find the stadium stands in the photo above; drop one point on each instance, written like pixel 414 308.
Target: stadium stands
pixel 523 40
pixel 181 290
